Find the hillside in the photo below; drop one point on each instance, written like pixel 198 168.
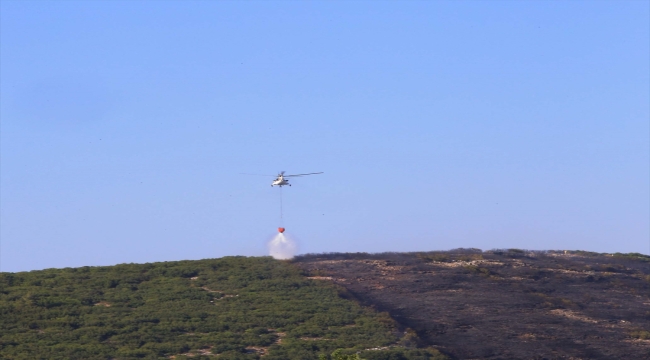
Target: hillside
pixel 509 304
pixel 236 307
pixel 463 304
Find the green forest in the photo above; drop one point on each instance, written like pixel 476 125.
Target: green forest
pixel 233 307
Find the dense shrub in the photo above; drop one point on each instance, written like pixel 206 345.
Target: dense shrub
pixel 237 307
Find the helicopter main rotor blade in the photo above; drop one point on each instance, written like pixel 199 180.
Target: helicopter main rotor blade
pixel 303 174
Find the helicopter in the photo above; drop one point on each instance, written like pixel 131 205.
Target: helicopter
pixel 281 180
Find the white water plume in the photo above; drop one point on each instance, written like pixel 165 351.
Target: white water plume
pixel 281 247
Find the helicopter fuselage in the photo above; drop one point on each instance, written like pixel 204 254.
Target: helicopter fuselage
pixel 280 181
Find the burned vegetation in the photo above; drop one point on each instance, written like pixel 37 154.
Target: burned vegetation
pixel 505 304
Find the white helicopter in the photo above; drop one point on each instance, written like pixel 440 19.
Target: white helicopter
pixel 281 179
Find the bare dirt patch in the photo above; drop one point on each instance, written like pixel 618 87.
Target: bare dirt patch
pixel 257 350
pixel 200 352
pixel 223 295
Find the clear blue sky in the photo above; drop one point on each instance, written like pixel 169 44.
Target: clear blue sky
pixel 438 124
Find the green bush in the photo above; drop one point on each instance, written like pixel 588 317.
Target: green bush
pixel 229 306
pixel 640 334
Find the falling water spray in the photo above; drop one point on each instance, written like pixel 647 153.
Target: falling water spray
pixel 282 247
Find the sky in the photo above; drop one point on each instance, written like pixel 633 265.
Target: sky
pixel 126 127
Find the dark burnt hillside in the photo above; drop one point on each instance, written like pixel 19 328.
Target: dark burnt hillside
pixel 509 304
